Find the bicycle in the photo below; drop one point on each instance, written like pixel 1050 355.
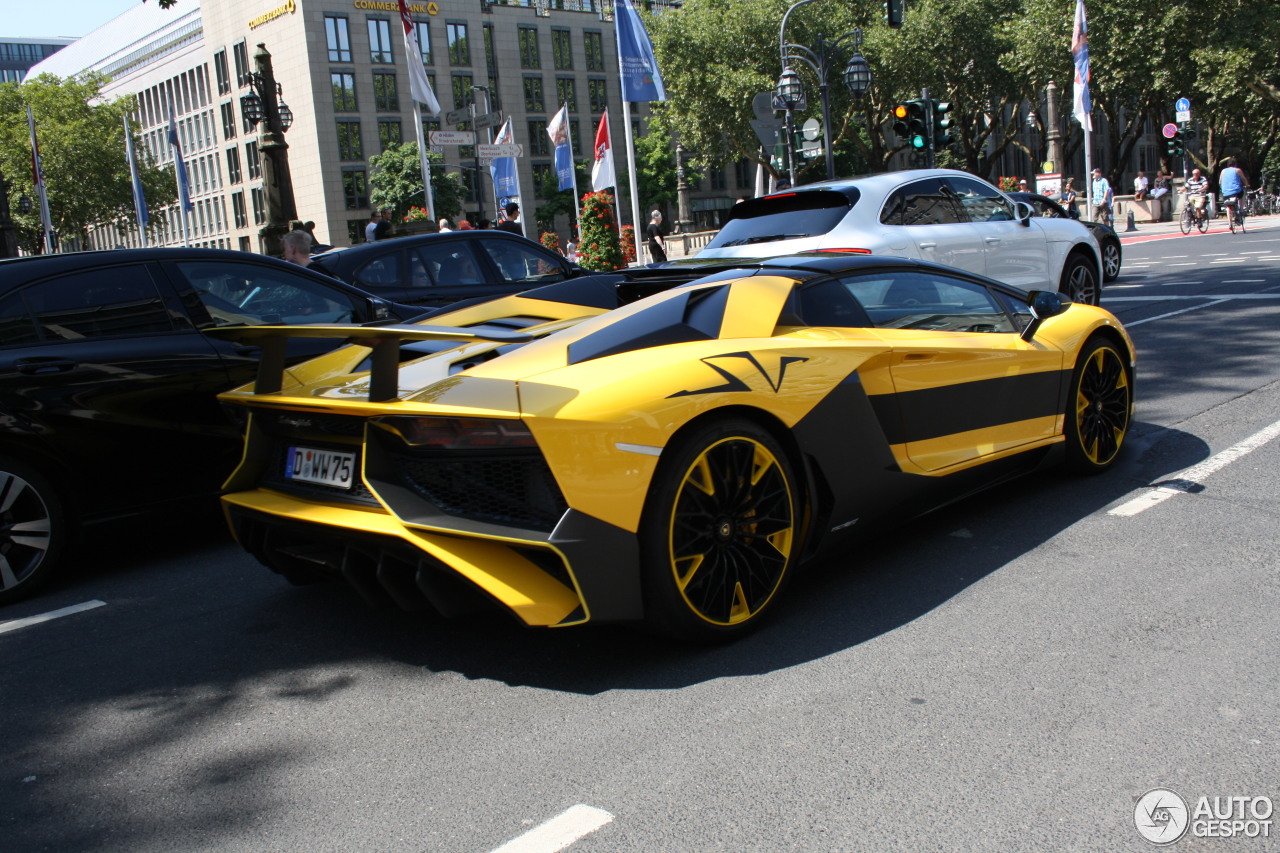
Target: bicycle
pixel 1193 215
pixel 1235 212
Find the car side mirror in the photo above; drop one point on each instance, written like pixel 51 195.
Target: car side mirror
pixel 1023 213
pixel 1044 304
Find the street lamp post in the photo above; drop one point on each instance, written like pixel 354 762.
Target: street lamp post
pixel 263 105
pixel 683 224
pixel 821 58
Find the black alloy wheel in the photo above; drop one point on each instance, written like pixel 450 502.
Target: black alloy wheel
pixel 33 530
pixel 720 535
pixel 1080 281
pixel 1098 408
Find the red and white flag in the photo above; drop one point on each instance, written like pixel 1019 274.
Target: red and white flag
pixel 419 85
pixel 603 174
pixel 1083 107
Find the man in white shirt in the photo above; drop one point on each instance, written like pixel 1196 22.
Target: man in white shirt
pixel 371 229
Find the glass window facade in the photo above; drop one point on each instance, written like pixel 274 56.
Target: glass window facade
pixel 338 38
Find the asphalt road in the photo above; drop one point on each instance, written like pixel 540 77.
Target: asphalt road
pixel 1012 673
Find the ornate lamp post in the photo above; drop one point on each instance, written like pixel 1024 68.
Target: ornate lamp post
pixel 263 106
pixel 821 59
pixel 683 223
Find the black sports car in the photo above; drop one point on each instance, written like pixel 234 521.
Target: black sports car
pixel 439 269
pixel 108 385
pixel 1106 236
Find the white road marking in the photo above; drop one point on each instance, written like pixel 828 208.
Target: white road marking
pixel 17 624
pixel 1187 264
pixel 559 832
pixel 1189 479
pixel 1230 261
pixel 1130 325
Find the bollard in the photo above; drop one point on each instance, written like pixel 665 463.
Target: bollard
pixel 1130 226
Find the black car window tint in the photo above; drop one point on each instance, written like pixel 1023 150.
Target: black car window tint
pixel 17 326
pixel 1018 309
pixel 892 212
pixel 903 299
pixel 829 303
pixel 419 277
pixel 981 202
pixel 785 216
pixel 929 202
pixel 98 303
pixel 382 271
pixel 451 263
pixel 519 263
pixel 248 295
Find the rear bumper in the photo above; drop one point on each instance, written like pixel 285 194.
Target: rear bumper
pixel 583 570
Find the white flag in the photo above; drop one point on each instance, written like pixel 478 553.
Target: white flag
pixel 419 85
pixel 603 175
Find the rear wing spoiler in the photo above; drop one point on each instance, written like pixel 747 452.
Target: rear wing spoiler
pixel 384 341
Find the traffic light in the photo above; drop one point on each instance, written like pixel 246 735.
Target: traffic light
pixel 911 125
pixel 1177 144
pixel 893 12
pixel 942 124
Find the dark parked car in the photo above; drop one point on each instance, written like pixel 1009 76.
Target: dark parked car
pixel 439 269
pixel 108 384
pixel 1108 241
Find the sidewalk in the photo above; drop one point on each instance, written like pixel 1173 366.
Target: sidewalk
pixel 1149 230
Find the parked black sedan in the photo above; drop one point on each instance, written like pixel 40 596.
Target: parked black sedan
pixel 1108 240
pixel 107 383
pixel 439 269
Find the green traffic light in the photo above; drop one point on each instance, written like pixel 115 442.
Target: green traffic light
pixel 917 141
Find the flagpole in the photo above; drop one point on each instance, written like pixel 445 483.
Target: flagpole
pixel 631 171
pixel 139 202
pixel 424 163
pixel 573 171
pixel 37 169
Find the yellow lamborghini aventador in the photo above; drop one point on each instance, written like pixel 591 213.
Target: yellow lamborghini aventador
pixel 665 446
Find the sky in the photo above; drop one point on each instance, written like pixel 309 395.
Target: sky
pixel 69 18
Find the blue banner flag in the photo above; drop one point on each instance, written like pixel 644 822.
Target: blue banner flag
pixel 558 130
pixel 641 81
pixel 179 165
pixel 503 169
pixel 139 200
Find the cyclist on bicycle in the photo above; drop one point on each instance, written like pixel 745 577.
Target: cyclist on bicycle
pixel 1233 182
pixel 1196 189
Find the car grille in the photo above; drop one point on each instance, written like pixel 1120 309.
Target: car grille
pixel 515 490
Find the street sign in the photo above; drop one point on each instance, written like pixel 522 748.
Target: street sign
pixel 488 120
pixel 484 151
pixel 1182 105
pixel 1169 130
pixel 769 132
pixel 452 137
pixel 458 116
pixel 812 129
pixel 762 106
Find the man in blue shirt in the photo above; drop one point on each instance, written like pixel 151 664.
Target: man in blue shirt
pixel 1233 180
pixel 1100 195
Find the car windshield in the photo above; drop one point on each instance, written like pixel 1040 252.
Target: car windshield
pixel 785 216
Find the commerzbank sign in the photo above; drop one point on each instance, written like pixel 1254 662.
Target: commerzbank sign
pixel 287 9
pixel 385 6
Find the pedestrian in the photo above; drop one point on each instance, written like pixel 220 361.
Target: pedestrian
pixel 316 246
pixel 1141 186
pixel 1101 196
pixel 1022 186
pixel 383 231
pixel 1069 196
pixel 654 238
pixel 297 250
pixel 444 224
pixel 465 225
pixel 1164 182
pixel 372 227
pixel 511 220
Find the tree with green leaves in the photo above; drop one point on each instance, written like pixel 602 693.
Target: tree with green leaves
pixel 397 182
pixel 81 134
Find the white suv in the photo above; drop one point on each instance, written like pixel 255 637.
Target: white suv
pixel 938 215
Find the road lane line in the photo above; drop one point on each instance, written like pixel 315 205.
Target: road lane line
pixel 1131 324
pixel 559 832
pixel 17 624
pixel 1189 480
pixel 1245 281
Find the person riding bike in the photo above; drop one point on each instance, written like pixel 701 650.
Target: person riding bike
pixel 1196 190
pixel 1233 182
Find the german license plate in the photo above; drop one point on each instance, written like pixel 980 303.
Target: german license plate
pixel 325 467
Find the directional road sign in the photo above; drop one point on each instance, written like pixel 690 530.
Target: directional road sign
pixel 488 152
pixel 452 137
pixel 488 120
pixel 458 116
pixel 769 132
